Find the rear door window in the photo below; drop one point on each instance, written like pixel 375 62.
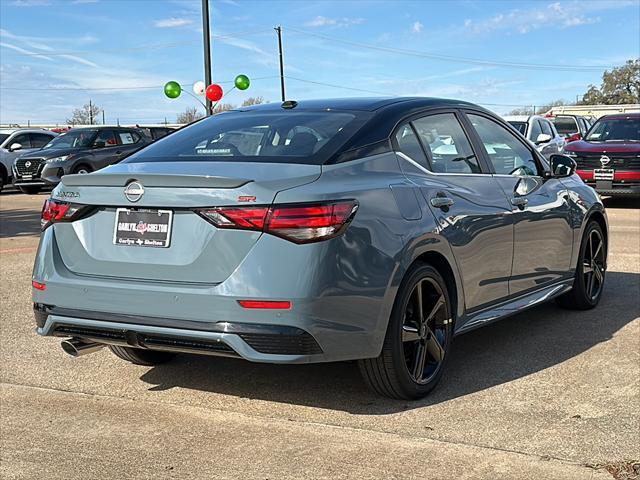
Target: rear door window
pixel 22 139
pixel 446 144
pixel 535 130
pixel 107 138
pixel 546 128
pixel 407 143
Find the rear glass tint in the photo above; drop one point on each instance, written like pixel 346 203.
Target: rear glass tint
pixel 566 125
pixel 276 137
pixel 520 126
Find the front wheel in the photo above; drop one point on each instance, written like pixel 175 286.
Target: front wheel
pixel 417 340
pixel 590 272
pixel 30 190
pixel 141 356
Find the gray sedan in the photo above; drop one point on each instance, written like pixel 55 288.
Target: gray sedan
pixel 316 231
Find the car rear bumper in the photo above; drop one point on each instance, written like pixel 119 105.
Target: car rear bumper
pixel 344 322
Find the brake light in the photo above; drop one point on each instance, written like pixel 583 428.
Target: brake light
pixel 266 304
pixel 574 138
pixel 301 223
pixel 54 211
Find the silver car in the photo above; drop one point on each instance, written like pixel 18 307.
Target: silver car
pixel 539 131
pixel 327 230
pixel 16 141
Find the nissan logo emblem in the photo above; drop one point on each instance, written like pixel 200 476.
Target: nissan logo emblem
pixel 134 191
pixel 604 160
pixel 27 164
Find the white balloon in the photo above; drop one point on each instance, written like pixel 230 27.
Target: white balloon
pixel 199 88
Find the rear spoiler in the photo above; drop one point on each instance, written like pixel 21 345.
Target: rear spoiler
pixel 104 179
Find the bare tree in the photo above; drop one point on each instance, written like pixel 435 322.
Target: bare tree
pixel 253 101
pixel 87 115
pixel 191 114
pixel 223 107
pixel 539 109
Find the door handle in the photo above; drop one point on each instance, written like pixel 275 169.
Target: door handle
pixel 519 202
pixel 441 202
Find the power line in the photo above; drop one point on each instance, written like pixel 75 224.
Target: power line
pixel 450 58
pixel 92 89
pixel 337 86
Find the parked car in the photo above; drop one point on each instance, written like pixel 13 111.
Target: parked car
pixel 15 142
pixel 156 132
pixel 314 231
pixel 571 127
pixel 609 156
pixel 539 131
pixel 80 150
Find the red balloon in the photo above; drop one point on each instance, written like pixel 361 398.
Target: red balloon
pixel 214 92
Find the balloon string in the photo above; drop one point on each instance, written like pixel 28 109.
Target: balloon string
pixel 192 95
pixel 223 95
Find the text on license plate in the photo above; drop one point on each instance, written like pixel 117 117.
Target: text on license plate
pixel 142 228
pixel 603 174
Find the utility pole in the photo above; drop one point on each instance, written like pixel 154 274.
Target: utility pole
pixel 103 122
pixel 278 29
pixel 206 37
pixel 90 113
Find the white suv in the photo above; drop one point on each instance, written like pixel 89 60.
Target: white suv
pixel 539 131
pixel 16 141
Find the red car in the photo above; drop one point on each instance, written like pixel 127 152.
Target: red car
pixel 608 157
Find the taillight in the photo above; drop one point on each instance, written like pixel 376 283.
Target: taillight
pixel 302 223
pixel 54 211
pixel 574 138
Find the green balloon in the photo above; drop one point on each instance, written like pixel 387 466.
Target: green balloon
pixel 242 82
pixel 172 89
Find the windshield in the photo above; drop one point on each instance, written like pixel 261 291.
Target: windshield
pixel 286 137
pixel 615 130
pixel 565 126
pixel 3 137
pixel 73 139
pixel 520 126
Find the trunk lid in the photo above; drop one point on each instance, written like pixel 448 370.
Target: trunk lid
pixel 198 252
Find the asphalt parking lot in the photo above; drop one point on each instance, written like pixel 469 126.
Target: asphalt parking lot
pixel 547 394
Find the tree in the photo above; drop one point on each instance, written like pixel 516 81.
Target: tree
pixel 253 101
pixel 223 107
pixel 191 114
pixel 538 109
pixel 620 85
pixel 87 115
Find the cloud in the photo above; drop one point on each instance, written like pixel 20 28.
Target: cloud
pixel 552 15
pixel 30 3
pixel 321 21
pixel 172 22
pixel 82 2
pixel 417 27
pixel 24 51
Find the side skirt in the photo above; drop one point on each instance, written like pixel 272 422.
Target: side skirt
pixel 513 306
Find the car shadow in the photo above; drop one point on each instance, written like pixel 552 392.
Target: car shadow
pixel 621 202
pixel 513 348
pixel 19 222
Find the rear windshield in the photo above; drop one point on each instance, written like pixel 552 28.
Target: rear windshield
pixel 565 125
pixel 615 130
pixel 276 137
pixel 520 126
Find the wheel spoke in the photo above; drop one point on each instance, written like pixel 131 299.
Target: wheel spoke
pixel 420 360
pixel 590 284
pixel 591 246
pixel 410 334
pixel 598 273
pixel 433 346
pixel 586 267
pixel 439 304
pixel 598 248
pixel 418 290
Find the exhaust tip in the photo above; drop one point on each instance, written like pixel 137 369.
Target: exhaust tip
pixel 77 347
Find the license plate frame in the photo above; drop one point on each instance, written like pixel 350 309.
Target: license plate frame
pixel 133 227
pixel 606 174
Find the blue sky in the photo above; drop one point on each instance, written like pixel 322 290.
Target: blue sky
pixel 57 54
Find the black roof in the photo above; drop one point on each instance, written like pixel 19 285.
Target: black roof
pixel 365 104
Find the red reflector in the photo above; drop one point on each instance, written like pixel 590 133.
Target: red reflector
pixel 266 304
pixel 38 285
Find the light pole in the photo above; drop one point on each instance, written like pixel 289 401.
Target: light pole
pixel 206 36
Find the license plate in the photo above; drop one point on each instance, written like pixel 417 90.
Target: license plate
pixel 27 177
pixel 142 228
pixel 603 174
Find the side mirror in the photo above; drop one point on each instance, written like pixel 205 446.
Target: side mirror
pixel 99 144
pixel 15 146
pixel 543 138
pixel 562 166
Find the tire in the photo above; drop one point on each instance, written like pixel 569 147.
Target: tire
pixel 82 169
pixel 407 341
pixel 591 260
pixel 30 190
pixel 141 356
